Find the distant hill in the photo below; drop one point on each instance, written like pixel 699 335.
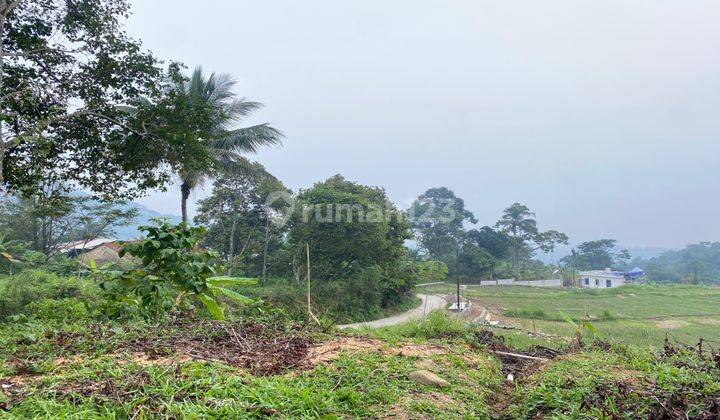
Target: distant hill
pixel 647 252
pixel 144 217
pixel 642 253
pixel 696 261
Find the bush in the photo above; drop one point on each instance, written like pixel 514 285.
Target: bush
pixel 531 313
pixel 33 285
pixel 66 309
pixel 437 324
pixel 173 267
pixel 607 316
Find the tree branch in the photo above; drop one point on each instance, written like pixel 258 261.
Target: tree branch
pixel 9 8
pixel 87 112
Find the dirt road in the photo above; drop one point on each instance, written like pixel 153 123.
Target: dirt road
pixel 429 302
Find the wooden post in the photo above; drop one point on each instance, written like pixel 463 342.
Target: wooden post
pixel 310 313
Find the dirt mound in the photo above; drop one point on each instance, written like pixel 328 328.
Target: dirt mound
pixel 671 324
pixel 263 348
pixel 328 351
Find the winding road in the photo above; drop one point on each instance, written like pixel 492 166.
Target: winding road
pixel 429 302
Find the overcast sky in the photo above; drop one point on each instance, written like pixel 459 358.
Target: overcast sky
pixel 602 117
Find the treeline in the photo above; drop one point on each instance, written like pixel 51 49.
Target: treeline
pixel 694 264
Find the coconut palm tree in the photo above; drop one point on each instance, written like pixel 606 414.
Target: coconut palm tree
pixel 224 144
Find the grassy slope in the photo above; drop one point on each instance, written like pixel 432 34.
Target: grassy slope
pixel 92 375
pixel 637 314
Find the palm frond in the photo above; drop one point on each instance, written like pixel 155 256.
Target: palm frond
pixel 249 139
pixel 219 88
pixel 232 163
pixel 239 109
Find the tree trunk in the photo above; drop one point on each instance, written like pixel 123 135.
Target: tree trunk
pixel 2 158
pixel 3 4
pixel 231 247
pixel 267 228
pixel 185 192
pixel 514 253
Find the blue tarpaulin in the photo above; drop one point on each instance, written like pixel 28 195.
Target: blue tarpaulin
pixel 635 273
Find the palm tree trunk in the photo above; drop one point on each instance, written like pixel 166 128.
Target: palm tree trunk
pixel 185 192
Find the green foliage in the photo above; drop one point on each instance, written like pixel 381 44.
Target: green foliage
pixel 44 220
pixel 239 223
pixel 203 111
pixel 437 324
pixel 438 217
pixel 696 261
pixel 430 271
pixel 519 223
pixel 349 227
pixel 29 286
pixel 496 242
pixel 628 384
pixel 65 309
pixel 474 262
pixel 597 255
pixel 356 239
pixel 68 70
pixel 172 266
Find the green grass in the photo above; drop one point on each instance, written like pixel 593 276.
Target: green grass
pixel 89 377
pixel 634 314
pixel 623 383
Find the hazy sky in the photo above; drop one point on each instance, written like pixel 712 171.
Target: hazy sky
pixel 602 117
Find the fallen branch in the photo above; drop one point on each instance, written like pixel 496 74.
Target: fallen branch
pixel 519 356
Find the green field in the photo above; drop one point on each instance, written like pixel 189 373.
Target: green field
pixel 633 314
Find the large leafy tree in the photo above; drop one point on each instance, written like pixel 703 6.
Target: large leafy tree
pixel 210 107
pixel 519 223
pixel 348 227
pixel 597 255
pixel 68 72
pixel 438 218
pixel 239 221
pixel 496 242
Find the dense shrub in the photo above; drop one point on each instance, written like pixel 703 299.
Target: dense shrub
pixel 65 309
pixel 368 295
pixel 172 267
pixel 19 290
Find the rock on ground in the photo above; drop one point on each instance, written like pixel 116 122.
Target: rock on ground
pixel 428 378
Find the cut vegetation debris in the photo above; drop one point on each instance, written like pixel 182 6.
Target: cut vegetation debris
pixel 252 368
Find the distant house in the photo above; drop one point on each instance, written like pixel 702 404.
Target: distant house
pixel 600 279
pixel 101 250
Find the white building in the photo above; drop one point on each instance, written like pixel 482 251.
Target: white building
pixel 600 279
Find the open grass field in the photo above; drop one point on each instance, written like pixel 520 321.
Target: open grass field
pixel 634 314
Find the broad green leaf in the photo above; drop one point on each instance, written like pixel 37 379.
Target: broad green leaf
pixel 93 264
pixel 231 281
pixel 568 319
pixel 590 327
pixel 212 306
pixel 233 295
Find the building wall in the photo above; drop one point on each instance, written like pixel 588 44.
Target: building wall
pixel 601 282
pixel 513 282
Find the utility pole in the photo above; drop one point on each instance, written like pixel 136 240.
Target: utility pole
pixel 457 276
